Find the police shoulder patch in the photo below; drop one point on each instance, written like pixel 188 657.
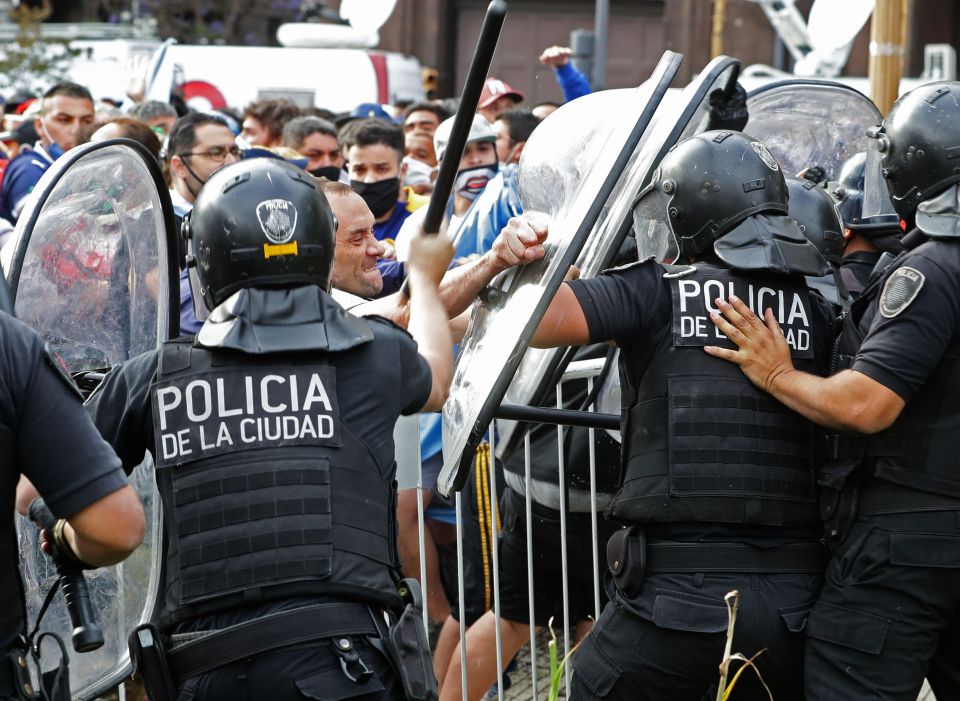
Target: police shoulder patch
pixel 60 368
pixel 899 291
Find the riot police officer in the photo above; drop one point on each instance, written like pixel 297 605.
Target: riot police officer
pixel 717 484
pixel 866 238
pixel 816 213
pixel 46 440
pixel 888 612
pixel 272 433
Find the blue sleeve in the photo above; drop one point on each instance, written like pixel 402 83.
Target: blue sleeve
pixel 489 214
pixel 189 324
pixel 392 273
pixel 19 179
pixel 573 83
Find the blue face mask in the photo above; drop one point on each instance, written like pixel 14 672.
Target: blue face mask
pixel 54 149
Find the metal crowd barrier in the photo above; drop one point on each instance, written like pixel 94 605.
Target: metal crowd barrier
pixel 409 475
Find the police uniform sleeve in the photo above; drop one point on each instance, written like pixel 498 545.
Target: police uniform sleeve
pixel 622 303
pixel 121 409
pixel 916 322
pixel 57 446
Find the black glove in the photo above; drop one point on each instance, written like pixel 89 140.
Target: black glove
pixel 728 112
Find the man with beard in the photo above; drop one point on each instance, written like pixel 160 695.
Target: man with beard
pixel 198 145
pixel 375 164
pixel 375 156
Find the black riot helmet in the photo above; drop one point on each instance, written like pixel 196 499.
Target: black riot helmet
pixel 816 213
pixel 919 144
pixel 723 190
pixel 881 229
pixel 259 223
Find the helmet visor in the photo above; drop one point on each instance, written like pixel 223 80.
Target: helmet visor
pixel 876 193
pixel 651 225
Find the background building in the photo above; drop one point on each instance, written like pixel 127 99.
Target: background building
pixel 441 33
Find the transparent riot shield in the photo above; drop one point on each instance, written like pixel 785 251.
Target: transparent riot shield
pixel 582 173
pixel 680 115
pixel 94 272
pixel 811 122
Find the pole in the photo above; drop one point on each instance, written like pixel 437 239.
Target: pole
pixel 719 17
pixel 601 25
pixel 886 52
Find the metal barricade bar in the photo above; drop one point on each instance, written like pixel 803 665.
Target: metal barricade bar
pixel 562 418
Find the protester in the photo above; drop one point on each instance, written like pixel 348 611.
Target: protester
pixel 420 161
pixel 316 140
pixel 159 115
pixel 542 110
pixel 129 128
pixel 264 120
pixel 496 98
pixel 375 165
pixel 513 128
pixel 65 120
pixel 573 83
pixel 423 116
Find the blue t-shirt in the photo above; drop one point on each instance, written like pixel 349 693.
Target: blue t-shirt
pixel 22 174
pixel 388 230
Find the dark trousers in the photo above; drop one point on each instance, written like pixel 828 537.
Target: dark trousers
pixel 667 643
pixel 293 674
pixel 889 613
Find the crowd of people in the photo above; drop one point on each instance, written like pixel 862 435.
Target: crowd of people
pixel 284 558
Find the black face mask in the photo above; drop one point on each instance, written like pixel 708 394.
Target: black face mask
pixel 328 172
pixel 379 196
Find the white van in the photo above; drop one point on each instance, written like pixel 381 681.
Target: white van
pixel 337 79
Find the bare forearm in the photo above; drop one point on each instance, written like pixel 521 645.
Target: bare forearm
pixel 461 285
pixel 841 402
pixel 109 530
pixel 430 329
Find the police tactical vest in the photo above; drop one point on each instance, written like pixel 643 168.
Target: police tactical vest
pixel 267 493
pixel 701 443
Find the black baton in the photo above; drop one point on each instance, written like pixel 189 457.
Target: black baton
pixel 469 99
pixel 87 635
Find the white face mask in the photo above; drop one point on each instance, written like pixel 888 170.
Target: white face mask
pixel 418 172
pixel 471 182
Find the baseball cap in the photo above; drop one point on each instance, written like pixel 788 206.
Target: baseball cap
pixel 365 110
pixel 480 130
pixel 493 89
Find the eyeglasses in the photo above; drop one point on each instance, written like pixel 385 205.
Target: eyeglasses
pixel 216 153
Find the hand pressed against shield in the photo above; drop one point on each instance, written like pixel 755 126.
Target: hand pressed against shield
pixel 763 353
pixel 520 241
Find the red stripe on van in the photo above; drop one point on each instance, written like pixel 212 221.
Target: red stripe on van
pixel 379 62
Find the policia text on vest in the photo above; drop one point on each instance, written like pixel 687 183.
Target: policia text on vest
pixel 694 296
pixel 209 415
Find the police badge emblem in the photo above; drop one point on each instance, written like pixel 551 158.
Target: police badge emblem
pixel 278 220
pixel 899 291
pixel 765 155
